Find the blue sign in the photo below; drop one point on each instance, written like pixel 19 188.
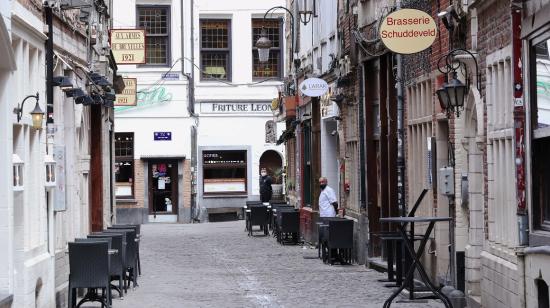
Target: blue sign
pixel 171 76
pixel 162 136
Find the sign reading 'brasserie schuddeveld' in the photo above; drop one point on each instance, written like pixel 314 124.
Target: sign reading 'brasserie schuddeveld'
pixel 128 46
pixel 128 97
pixel 408 31
pixel 313 87
pixel 235 107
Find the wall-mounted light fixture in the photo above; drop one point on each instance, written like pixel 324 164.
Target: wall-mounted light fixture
pixel 37 113
pixel 305 11
pixel 452 93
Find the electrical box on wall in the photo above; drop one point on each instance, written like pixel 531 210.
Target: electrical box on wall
pixel 445 181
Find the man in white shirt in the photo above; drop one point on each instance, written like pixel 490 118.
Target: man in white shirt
pixel 328 204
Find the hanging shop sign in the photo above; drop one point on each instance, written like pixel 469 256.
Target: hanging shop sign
pixel 313 87
pixel 128 46
pixel 408 31
pixel 128 97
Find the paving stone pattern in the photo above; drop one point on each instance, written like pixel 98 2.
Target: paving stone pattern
pixel 218 265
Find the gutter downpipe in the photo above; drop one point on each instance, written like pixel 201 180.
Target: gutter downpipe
pixel 400 135
pixel 191 98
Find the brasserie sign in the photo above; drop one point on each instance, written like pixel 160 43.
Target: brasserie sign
pixel 408 31
pixel 128 46
pixel 225 107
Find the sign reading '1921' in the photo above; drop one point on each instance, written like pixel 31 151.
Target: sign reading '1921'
pixel 128 46
pixel 408 31
pixel 128 97
pixel 235 107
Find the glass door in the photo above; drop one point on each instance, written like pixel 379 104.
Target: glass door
pixel 163 187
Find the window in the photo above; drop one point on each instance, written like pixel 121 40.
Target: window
pixel 273 67
pixel 224 172
pixel 156 22
pixel 124 165
pixel 215 49
pixel 540 124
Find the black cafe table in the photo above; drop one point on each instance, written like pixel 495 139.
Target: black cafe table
pixel 416 255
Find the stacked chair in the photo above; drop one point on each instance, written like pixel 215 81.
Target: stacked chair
pixel 99 259
pixel 337 238
pixel 258 217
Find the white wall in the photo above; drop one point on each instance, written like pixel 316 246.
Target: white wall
pixel 245 129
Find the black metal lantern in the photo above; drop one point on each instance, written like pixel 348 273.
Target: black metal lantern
pixel 452 94
pixel 263 44
pixel 305 11
pixel 456 91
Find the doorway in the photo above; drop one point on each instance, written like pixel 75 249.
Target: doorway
pixel 163 187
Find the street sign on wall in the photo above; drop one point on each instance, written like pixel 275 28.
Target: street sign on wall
pixel 162 136
pixel 128 46
pixel 313 87
pixel 408 31
pixel 128 97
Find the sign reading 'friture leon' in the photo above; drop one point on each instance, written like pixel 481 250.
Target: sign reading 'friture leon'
pixel 128 46
pixel 408 31
pixel 235 107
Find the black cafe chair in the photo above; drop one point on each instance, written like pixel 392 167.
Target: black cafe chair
pixel 246 215
pixel 89 268
pixel 338 237
pixel 288 222
pixel 137 227
pixel 258 217
pixel 130 253
pixel 116 261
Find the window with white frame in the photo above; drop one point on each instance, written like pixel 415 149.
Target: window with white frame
pixel 419 133
pixel 155 20
pixel 500 148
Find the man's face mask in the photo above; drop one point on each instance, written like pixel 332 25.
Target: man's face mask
pixel 263 174
pixel 323 186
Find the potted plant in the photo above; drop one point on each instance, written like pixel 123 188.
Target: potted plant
pixel 277 177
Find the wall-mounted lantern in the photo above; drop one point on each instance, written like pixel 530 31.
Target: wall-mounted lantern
pixel 49 162
pixel 37 113
pixel 18 165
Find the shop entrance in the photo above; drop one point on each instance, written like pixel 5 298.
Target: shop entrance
pixel 163 187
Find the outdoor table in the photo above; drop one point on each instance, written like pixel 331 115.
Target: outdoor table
pixel 402 226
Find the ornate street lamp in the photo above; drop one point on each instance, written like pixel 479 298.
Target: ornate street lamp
pixel 37 113
pixel 305 12
pixel 452 93
pixel 263 44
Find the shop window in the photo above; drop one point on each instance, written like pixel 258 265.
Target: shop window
pixel 124 165
pixel 215 49
pixel 540 123
pixel 224 172
pixel 271 69
pixel 156 22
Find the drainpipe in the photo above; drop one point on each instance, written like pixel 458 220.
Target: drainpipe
pixel 519 150
pixel 49 64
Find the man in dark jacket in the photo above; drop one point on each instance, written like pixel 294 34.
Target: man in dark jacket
pixel 265 186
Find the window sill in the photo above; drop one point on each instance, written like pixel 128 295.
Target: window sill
pixel 132 201
pixel 539 238
pixel 225 196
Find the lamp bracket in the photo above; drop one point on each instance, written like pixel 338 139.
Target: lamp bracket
pixel 456 58
pixel 19 109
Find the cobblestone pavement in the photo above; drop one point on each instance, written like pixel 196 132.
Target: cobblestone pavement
pixel 218 265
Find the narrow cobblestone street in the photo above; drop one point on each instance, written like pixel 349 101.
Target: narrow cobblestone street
pixel 218 265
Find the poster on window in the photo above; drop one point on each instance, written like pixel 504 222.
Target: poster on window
pixel 128 46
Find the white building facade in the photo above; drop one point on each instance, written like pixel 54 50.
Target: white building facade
pixel 236 134
pixel 152 140
pixel 45 188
